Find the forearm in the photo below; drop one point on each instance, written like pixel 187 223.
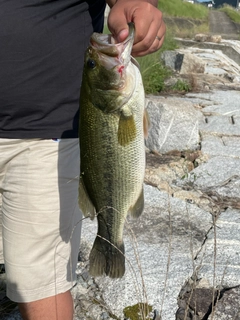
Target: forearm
pixel 112 2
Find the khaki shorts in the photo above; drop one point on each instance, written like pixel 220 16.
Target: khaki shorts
pixel 41 221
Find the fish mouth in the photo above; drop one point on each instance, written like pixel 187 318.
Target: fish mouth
pixel 110 52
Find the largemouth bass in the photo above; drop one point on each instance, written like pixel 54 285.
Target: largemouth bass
pixel 111 146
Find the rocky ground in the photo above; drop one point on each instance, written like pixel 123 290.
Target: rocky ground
pixel 183 257
pixel 183 253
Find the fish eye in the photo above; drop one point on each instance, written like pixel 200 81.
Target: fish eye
pixel 91 63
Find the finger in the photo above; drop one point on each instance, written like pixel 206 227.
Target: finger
pixel 151 42
pixel 122 13
pixel 155 47
pixel 118 24
pixel 148 24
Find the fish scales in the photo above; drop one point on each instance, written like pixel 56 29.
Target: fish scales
pixel 112 155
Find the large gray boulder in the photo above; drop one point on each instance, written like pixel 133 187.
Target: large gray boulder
pixel 174 125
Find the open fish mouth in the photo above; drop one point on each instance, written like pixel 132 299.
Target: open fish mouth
pixel 106 43
pixel 106 47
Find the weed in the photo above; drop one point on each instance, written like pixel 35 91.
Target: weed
pixel 154 76
pixel 154 73
pixel 181 86
pixel 231 12
pixel 138 311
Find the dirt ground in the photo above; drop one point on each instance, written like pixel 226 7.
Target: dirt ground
pixel 220 23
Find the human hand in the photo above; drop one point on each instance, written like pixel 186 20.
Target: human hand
pixel 149 26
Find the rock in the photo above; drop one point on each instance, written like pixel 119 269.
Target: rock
pixel 201 37
pixel 220 146
pixel 219 102
pixel 183 62
pixel 220 125
pixel 172 59
pixel 199 301
pixel 196 299
pixel 228 193
pixel 228 306
pixel 219 259
pixel 236 79
pixel 215 62
pixel 194 197
pixel 217 38
pixel 215 173
pixel 192 64
pixel 174 125
pixel 161 170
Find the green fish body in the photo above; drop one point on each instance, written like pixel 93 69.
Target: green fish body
pixel 112 147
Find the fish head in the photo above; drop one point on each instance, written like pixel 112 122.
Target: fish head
pixel 108 70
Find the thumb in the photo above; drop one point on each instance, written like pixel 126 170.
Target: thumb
pixel 117 25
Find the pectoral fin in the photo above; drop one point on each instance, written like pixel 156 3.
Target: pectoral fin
pixel 127 128
pixel 85 204
pixel 136 210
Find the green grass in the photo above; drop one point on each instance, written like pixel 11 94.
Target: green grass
pixel 181 86
pixel 153 71
pixel 179 8
pixel 231 12
pixel 153 74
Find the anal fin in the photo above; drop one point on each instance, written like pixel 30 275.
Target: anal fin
pixel 137 209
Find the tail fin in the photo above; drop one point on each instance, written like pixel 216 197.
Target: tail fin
pixel 107 258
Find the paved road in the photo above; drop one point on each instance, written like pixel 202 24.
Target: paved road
pixel 219 23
